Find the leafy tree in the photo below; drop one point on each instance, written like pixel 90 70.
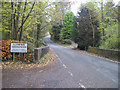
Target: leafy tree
pixel 16 13
pixel 88 34
pixel 57 11
pixel 109 23
pixel 68 26
pixel 55 32
pixel 111 39
pixel 74 33
pixel 26 21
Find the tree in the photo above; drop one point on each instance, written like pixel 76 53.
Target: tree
pixel 16 13
pixel 88 34
pixel 57 11
pixel 111 39
pixel 55 32
pixel 40 20
pixel 68 26
pixel 26 21
pixel 74 33
pixel 109 23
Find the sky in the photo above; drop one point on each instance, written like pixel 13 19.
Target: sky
pixel 76 5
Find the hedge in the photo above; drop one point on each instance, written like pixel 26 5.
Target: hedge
pixel 6 55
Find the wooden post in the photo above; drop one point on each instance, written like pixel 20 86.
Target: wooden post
pixel 13 56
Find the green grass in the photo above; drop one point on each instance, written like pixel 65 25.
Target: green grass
pixel 65 45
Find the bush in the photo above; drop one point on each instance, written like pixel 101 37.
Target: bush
pixel 6 55
pixel 111 39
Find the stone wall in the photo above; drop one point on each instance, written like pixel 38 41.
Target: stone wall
pixel 108 53
pixel 39 52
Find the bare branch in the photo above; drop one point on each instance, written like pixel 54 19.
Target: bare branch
pixel 27 16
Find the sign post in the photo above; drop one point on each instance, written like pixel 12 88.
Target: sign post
pixel 18 48
pixel 13 56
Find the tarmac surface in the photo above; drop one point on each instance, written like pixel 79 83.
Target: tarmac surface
pixel 72 69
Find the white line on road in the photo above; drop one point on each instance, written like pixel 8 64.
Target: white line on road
pixel 41 71
pixel 70 73
pixel 56 55
pixel 114 80
pixel 64 66
pixel 59 59
pixel 81 85
pixel 62 63
pixel 106 75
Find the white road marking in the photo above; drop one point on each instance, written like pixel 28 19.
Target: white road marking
pixel 59 59
pixel 62 63
pixel 70 73
pixel 41 71
pixel 81 85
pixel 106 75
pixel 64 66
pixel 56 55
pixel 113 80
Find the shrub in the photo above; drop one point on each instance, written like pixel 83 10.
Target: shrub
pixel 6 55
pixel 66 41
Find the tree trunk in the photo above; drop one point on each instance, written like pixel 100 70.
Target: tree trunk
pixel 14 25
pixel 23 21
pixel 102 17
pixel 93 30
pixel 38 32
pixel 17 19
pixel 11 37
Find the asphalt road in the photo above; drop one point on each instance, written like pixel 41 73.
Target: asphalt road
pixel 87 71
pixel 72 69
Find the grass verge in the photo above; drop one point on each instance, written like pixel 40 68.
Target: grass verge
pixel 64 45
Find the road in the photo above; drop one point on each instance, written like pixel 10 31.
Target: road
pixel 88 71
pixel 72 69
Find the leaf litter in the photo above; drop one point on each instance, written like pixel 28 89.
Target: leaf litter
pixel 46 59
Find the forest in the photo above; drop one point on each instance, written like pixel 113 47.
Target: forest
pixel 96 23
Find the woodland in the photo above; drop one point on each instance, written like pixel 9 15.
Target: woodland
pixel 96 23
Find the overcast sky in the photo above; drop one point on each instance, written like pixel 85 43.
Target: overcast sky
pixel 76 5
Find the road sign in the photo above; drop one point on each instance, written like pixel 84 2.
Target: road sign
pixel 18 47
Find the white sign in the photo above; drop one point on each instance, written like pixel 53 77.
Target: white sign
pixel 18 47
